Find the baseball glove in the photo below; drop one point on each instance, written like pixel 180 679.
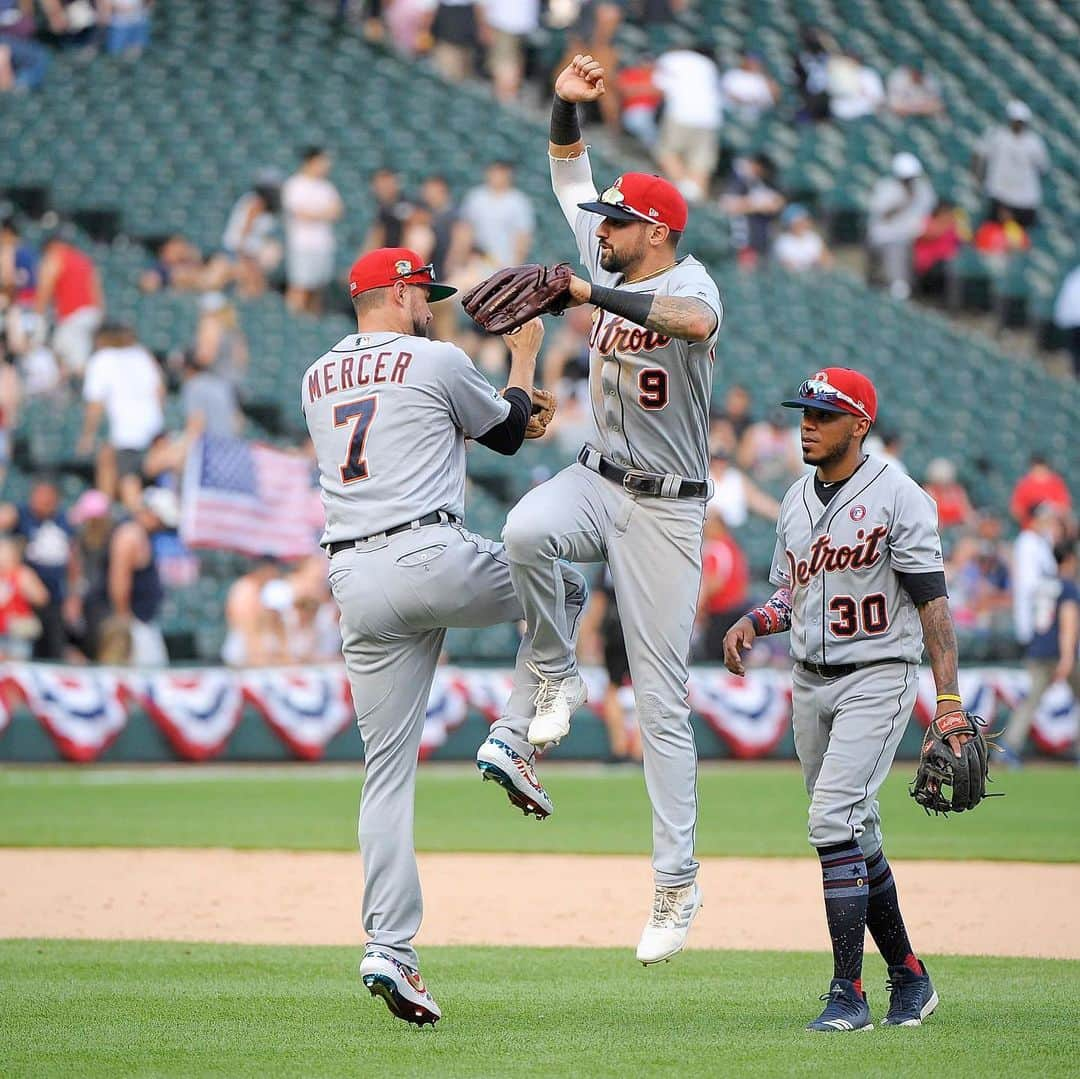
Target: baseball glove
pixel 543 412
pixel 509 298
pixel 939 767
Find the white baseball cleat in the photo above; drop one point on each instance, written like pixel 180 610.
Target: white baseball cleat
pixel 673 912
pixel 401 987
pixel 496 760
pixel 556 702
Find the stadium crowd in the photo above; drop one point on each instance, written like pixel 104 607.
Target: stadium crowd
pixel 87 581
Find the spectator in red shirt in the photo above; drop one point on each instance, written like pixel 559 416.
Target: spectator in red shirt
pixel 639 101
pixel 68 282
pixel 953 505
pixel 1039 484
pixel 1001 236
pixel 944 232
pixel 725 586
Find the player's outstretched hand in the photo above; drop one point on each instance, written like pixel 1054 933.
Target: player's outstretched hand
pixel 581 80
pixel 526 339
pixel 738 639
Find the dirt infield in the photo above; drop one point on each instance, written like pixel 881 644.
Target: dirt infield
pixel 270 897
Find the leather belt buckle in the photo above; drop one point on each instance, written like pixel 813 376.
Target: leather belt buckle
pixel 634 481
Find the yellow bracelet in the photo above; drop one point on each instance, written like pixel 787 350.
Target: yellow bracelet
pixel 950 697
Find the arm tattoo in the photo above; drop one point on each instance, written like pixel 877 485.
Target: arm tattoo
pixel 940 639
pixel 773 616
pixel 684 317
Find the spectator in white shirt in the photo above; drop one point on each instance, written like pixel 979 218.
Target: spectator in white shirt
pixel 855 89
pixel 501 216
pixel 1067 315
pixel 250 238
pixel 899 204
pixel 693 112
pixel 799 246
pixel 1033 565
pixel 1010 162
pixel 510 23
pixel 311 205
pixel 123 384
pixel 747 89
pixel 912 91
pixel 735 496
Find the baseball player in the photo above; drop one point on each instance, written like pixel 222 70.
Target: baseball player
pixel 635 499
pixel 861 586
pixel 389 411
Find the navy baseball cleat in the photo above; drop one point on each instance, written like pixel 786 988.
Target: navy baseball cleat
pixel 400 987
pixel 497 761
pixel 846 1009
pixel 911 997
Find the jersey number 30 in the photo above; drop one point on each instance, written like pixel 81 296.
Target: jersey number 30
pixel 873 611
pixel 361 413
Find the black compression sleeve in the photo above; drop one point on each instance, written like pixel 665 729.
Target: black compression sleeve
pixel 564 130
pixel 507 436
pixel 634 306
pixel 923 587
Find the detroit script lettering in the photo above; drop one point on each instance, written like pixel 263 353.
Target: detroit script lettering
pixel 824 556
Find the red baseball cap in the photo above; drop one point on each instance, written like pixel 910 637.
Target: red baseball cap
pixel 837 389
pixel 637 196
pixel 381 268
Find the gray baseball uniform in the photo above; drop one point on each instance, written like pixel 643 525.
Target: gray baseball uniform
pixel 650 398
pixel 842 560
pixel 389 415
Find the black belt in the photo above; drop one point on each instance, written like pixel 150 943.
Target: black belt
pixel 433 518
pixel 637 482
pixel 841 670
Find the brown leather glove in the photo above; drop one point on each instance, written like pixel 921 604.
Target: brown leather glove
pixel 509 298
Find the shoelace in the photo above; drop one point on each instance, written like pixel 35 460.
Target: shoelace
pixel 546 690
pixel 906 990
pixel 837 998
pixel 665 906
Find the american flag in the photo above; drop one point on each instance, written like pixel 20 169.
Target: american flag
pixel 246 497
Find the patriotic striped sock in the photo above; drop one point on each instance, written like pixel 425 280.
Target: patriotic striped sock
pixel 883 917
pixel 844 881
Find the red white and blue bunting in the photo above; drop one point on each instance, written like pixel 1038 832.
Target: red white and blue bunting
pixel 84 709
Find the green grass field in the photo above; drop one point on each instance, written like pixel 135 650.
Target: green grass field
pixel 93 1008
pixel 744 810
pixel 82 1009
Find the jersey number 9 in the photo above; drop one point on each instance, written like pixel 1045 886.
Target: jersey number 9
pixel 361 412
pixel 653 388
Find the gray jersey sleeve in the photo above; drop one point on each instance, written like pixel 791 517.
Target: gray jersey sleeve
pixel 475 405
pixel 702 287
pixel 780 574
pixel 914 544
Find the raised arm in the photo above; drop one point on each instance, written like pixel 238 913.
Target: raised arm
pixel 581 80
pixel 571 175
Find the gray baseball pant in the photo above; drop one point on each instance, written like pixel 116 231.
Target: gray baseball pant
pixel 653 548
pixel 397 596
pixel 847 731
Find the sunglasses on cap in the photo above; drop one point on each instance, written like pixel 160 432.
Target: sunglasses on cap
pixel 412 271
pixel 614 197
pixel 817 389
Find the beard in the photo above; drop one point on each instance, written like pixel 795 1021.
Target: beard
pixel 830 457
pixel 618 261
pixel 420 329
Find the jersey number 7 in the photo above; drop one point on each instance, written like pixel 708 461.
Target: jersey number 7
pixel 361 412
